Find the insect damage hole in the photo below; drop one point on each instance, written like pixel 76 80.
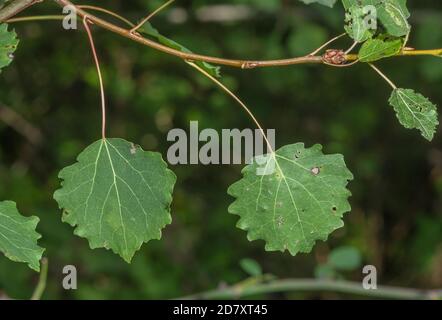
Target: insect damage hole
pixel 133 148
pixel 315 170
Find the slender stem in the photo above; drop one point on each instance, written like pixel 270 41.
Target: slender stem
pixel 237 99
pixel 111 13
pixel 431 52
pixel 383 76
pixel 405 52
pixel 185 55
pixel 35 18
pixel 352 47
pixel 15 7
pixel 325 45
pixel 97 63
pixel 41 285
pixel 309 285
pixel 138 26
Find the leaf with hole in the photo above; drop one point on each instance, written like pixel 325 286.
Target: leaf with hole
pixel 356 25
pixel 298 196
pixel 415 111
pixel 18 238
pixel 117 196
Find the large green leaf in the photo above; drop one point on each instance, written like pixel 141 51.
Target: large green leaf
pixel 379 48
pixel 8 44
pixel 394 16
pixel 117 195
pixel 414 111
pixel 298 196
pixel 18 238
pixel 149 30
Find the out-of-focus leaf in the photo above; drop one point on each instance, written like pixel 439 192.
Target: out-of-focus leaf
pixel 251 267
pixel 345 258
pixel 325 271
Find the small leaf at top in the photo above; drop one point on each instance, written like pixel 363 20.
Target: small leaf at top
pixel 394 15
pixel 8 45
pixel 379 48
pixel 117 196
pixel 18 238
pixel 148 29
pixel 415 111
pixel 294 198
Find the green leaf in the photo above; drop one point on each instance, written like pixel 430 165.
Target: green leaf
pixel 8 44
pixel 328 3
pixel 345 258
pixel 148 29
pixel 355 24
pixel 117 196
pixel 18 238
pixel 251 267
pixel 379 48
pixel 415 111
pixel 394 15
pixel 296 197
pixel 362 3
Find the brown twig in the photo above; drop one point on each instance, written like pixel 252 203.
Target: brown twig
pixel 16 7
pixel 244 64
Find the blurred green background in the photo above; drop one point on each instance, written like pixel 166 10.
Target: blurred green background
pixel 396 218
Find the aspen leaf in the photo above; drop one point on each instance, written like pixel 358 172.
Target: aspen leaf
pixel 117 196
pixel 415 111
pixel 18 238
pixel 297 197
pixel 379 48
